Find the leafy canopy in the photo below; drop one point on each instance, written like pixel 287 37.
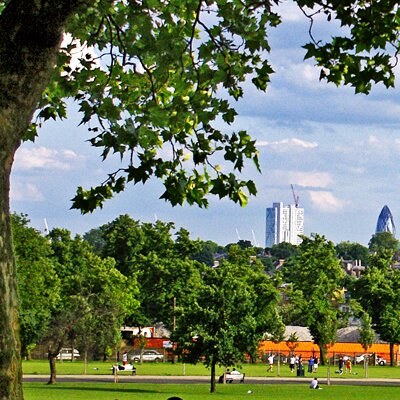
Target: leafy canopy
pixel 155 81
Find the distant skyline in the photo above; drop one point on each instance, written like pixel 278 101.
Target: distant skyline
pixel 338 149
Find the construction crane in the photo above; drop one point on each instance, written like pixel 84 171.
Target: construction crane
pixel 296 198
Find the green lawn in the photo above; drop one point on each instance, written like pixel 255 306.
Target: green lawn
pixel 123 391
pixel 178 369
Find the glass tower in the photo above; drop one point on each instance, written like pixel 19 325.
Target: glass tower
pixel 385 222
pixel 283 224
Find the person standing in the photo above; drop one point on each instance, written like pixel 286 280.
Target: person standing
pixel 341 365
pixel 271 363
pixel 315 366
pixel 292 362
pixel 311 365
pixel 125 358
pixel 348 366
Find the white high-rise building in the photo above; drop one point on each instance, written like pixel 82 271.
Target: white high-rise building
pixel 284 224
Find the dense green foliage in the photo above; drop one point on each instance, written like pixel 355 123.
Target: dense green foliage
pixel 317 279
pixel 68 294
pixel 383 241
pixel 233 309
pixel 162 266
pixel 352 251
pixel 38 283
pixel 378 291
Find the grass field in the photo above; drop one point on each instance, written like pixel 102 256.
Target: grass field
pixel 103 391
pixel 178 369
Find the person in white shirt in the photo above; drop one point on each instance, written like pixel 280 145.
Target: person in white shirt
pixel 124 358
pixel 292 363
pixel 235 372
pixel 314 384
pixel 271 363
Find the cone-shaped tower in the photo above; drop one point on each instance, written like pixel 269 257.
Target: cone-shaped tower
pixel 385 222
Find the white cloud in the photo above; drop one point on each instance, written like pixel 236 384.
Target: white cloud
pixel 289 11
pixel 315 179
pixel 304 75
pixel 372 139
pixel 25 192
pixel 45 158
pixel 326 201
pixel 287 144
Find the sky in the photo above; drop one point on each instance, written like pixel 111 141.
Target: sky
pixel 338 149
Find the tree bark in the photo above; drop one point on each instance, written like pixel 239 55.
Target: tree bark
pixel 10 366
pixel 212 390
pixel 30 36
pixel 391 349
pixel 53 370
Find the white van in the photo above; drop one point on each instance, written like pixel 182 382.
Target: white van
pixel 66 354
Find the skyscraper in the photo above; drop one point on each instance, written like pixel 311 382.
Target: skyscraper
pixel 385 222
pixel 284 224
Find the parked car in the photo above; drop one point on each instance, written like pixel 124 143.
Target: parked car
pixel 66 354
pixel 148 355
pixel 378 360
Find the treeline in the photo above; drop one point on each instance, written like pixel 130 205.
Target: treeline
pixel 81 290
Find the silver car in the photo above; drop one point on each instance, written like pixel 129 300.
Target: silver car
pixel 148 355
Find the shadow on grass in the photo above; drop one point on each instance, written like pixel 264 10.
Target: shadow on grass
pixel 94 389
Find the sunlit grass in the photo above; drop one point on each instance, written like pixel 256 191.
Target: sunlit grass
pixel 179 369
pixel 111 391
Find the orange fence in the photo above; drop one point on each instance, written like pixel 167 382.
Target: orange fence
pixel 308 349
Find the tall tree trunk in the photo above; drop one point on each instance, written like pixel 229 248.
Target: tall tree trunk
pixel 53 370
pixel 10 366
pixel 212 390
pixel 391 347
pixel 30 36
pixel 322 353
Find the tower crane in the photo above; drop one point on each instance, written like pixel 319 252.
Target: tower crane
pixel 296 198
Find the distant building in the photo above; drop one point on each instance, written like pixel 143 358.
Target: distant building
pixel 284 224
pixel 385 222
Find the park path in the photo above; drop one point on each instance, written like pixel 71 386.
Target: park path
pixel 206 379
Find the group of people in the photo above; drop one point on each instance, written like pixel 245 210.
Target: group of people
pixel 345 364
pixel 294 361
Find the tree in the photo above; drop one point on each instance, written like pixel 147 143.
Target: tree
pixel 317 277
pixel 378 292
pixel 235 306
pixel 292 343
pixel 352 251
pixel 163 267
pixel 291 306
pixel 207 251
pixel 38 283
pixel 94 297
pixel 283 250
pixel 384 241
pixel 166 72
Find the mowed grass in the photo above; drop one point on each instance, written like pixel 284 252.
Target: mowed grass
pixel 178 369
pixel 124 391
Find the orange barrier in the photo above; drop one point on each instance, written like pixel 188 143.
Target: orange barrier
pixel 307 349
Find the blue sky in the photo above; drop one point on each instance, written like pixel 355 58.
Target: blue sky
pixel 339 150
